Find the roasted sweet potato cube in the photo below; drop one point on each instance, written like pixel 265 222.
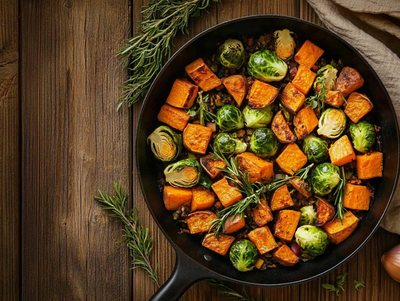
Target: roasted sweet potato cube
pixel 237 86
pixel 262 95
pixel 212 165
pixel 202 75
pixel 281 129
pixel 262 214
pixel 285 256
pixel 334 98
pixel 358 105
pixel 259 170
pixel 348 81
pixel 325 212
pixel 227 193
pixel 304 79
pixel 196 138
pixel 370 165
pixel 202 198
pixel 263 239
pixel 292 98
pixel 281 199
pixel 342 152
pixel 200 221
pixel 176 118
pixel 291 159
pixel 308 54
pixel 219 245
pixel 234 223
pixel 301 186
pixel 175 197
pixel 338 231
pixel 304 122
pixel 357 197
pixel 286 224
pixel 183 94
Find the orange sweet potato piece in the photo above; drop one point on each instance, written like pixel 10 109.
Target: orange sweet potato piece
pixel 234 223
pixel 304 79
pixel 338 231
pixel 281 199
pixel 357 197
pixel 305 122
pixel 175 197
pixel 262 214
pixel 211 165
pixel 237 86
pixel 281 129
pixel 285 256
pixel 219 245
pixel 259 263
pixel 263 239
pixel 334 98
pixel 176 118
pixel 301 186
pixel 262 95
pixel 202 198
pixel 182 94
pixel 358 105
pixel 196 138
pixel 325 212
pixel 292 98
pixel 259 170
pixel 200 221
pixel 342 152
pixel 227 194
pixel 370 165
pixel 291 159
pixel 308 54
pixel 348 81
pixel 202 75
pixel 286 224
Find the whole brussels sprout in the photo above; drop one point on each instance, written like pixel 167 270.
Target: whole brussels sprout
pixel 332 123
pixel 316 149
pixel 264 143
pixel 230 118
pixel 326 78
pixel 284 44
pixel 312 240
pixel 243 255
pixel 265 65
pixel 165 144
pixel 231 54
pixel 324 178
pixel 257 118
pixel 228 145
pixel 362 135
pixel 308 215
pixel 184 173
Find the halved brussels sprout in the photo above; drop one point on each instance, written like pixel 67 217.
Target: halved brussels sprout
pixel 184 173
pixel 312 240
pixel 332 123
pixel 243 255
pixel 326 77
pixel 231 54
pixel 284 44
pixel 315 149
pixel 227 145
pixel 257 118
pixel 230 118
pixel 324 178
pixel 308 215
pixel 266 66
pixel 264 143
pixel 362 135
pixel 165 144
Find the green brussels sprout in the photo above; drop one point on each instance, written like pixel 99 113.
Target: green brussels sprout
pixel 332 123
pixel 243 255
pixel 184 173
pixel 363 136
pixel 228 145
pixel 316 149
pixel 263 143
pixel 312 240
pixel 230 118
pixel 265 65
pixel 257 118
pixel 284 44
pixel 326 78
pixel 165 144
pixel 231 54
pixel 324 178
pixel 308 215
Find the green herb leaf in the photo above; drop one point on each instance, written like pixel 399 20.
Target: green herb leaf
pixel 339 194
pixel 340 280
pixel 358 284
pixel 231 294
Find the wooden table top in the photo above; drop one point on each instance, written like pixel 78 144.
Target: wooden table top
pixel 62 139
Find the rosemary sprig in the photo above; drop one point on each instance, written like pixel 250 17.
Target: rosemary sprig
pixel 358 284
pixel 202 109
pixel 147 50
pixel 137 238
pixel 340 280
pixel 317 100
pixel 231 294
pixel 339 194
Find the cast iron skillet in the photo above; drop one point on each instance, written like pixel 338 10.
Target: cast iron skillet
pixel 194 262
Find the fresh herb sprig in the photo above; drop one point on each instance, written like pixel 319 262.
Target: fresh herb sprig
pixel 136 237
pixel 358 284
pixel 340 280
pixel 231 294
pixel 202 109
pixel 317 100
pixel 339 194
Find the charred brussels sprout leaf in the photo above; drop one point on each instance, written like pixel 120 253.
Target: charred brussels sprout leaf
pixel 332 123
pixel 243 255
pixel 264 143
pixel 315 149
pixel 312 240
pixel 257 118
pixel 205 181
pixel 165 144
pixel 184 173
pixel 324 178
pixel 325 80
pixel 230 118
pixel 363 136
pixel 266 66
pixel 308 215
pixel 227 145
pixel 231 54
pixel 284 44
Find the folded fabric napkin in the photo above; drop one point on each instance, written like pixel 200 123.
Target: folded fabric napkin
pixel 373 28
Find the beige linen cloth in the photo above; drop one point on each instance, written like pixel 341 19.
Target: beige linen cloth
pixel 373 28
